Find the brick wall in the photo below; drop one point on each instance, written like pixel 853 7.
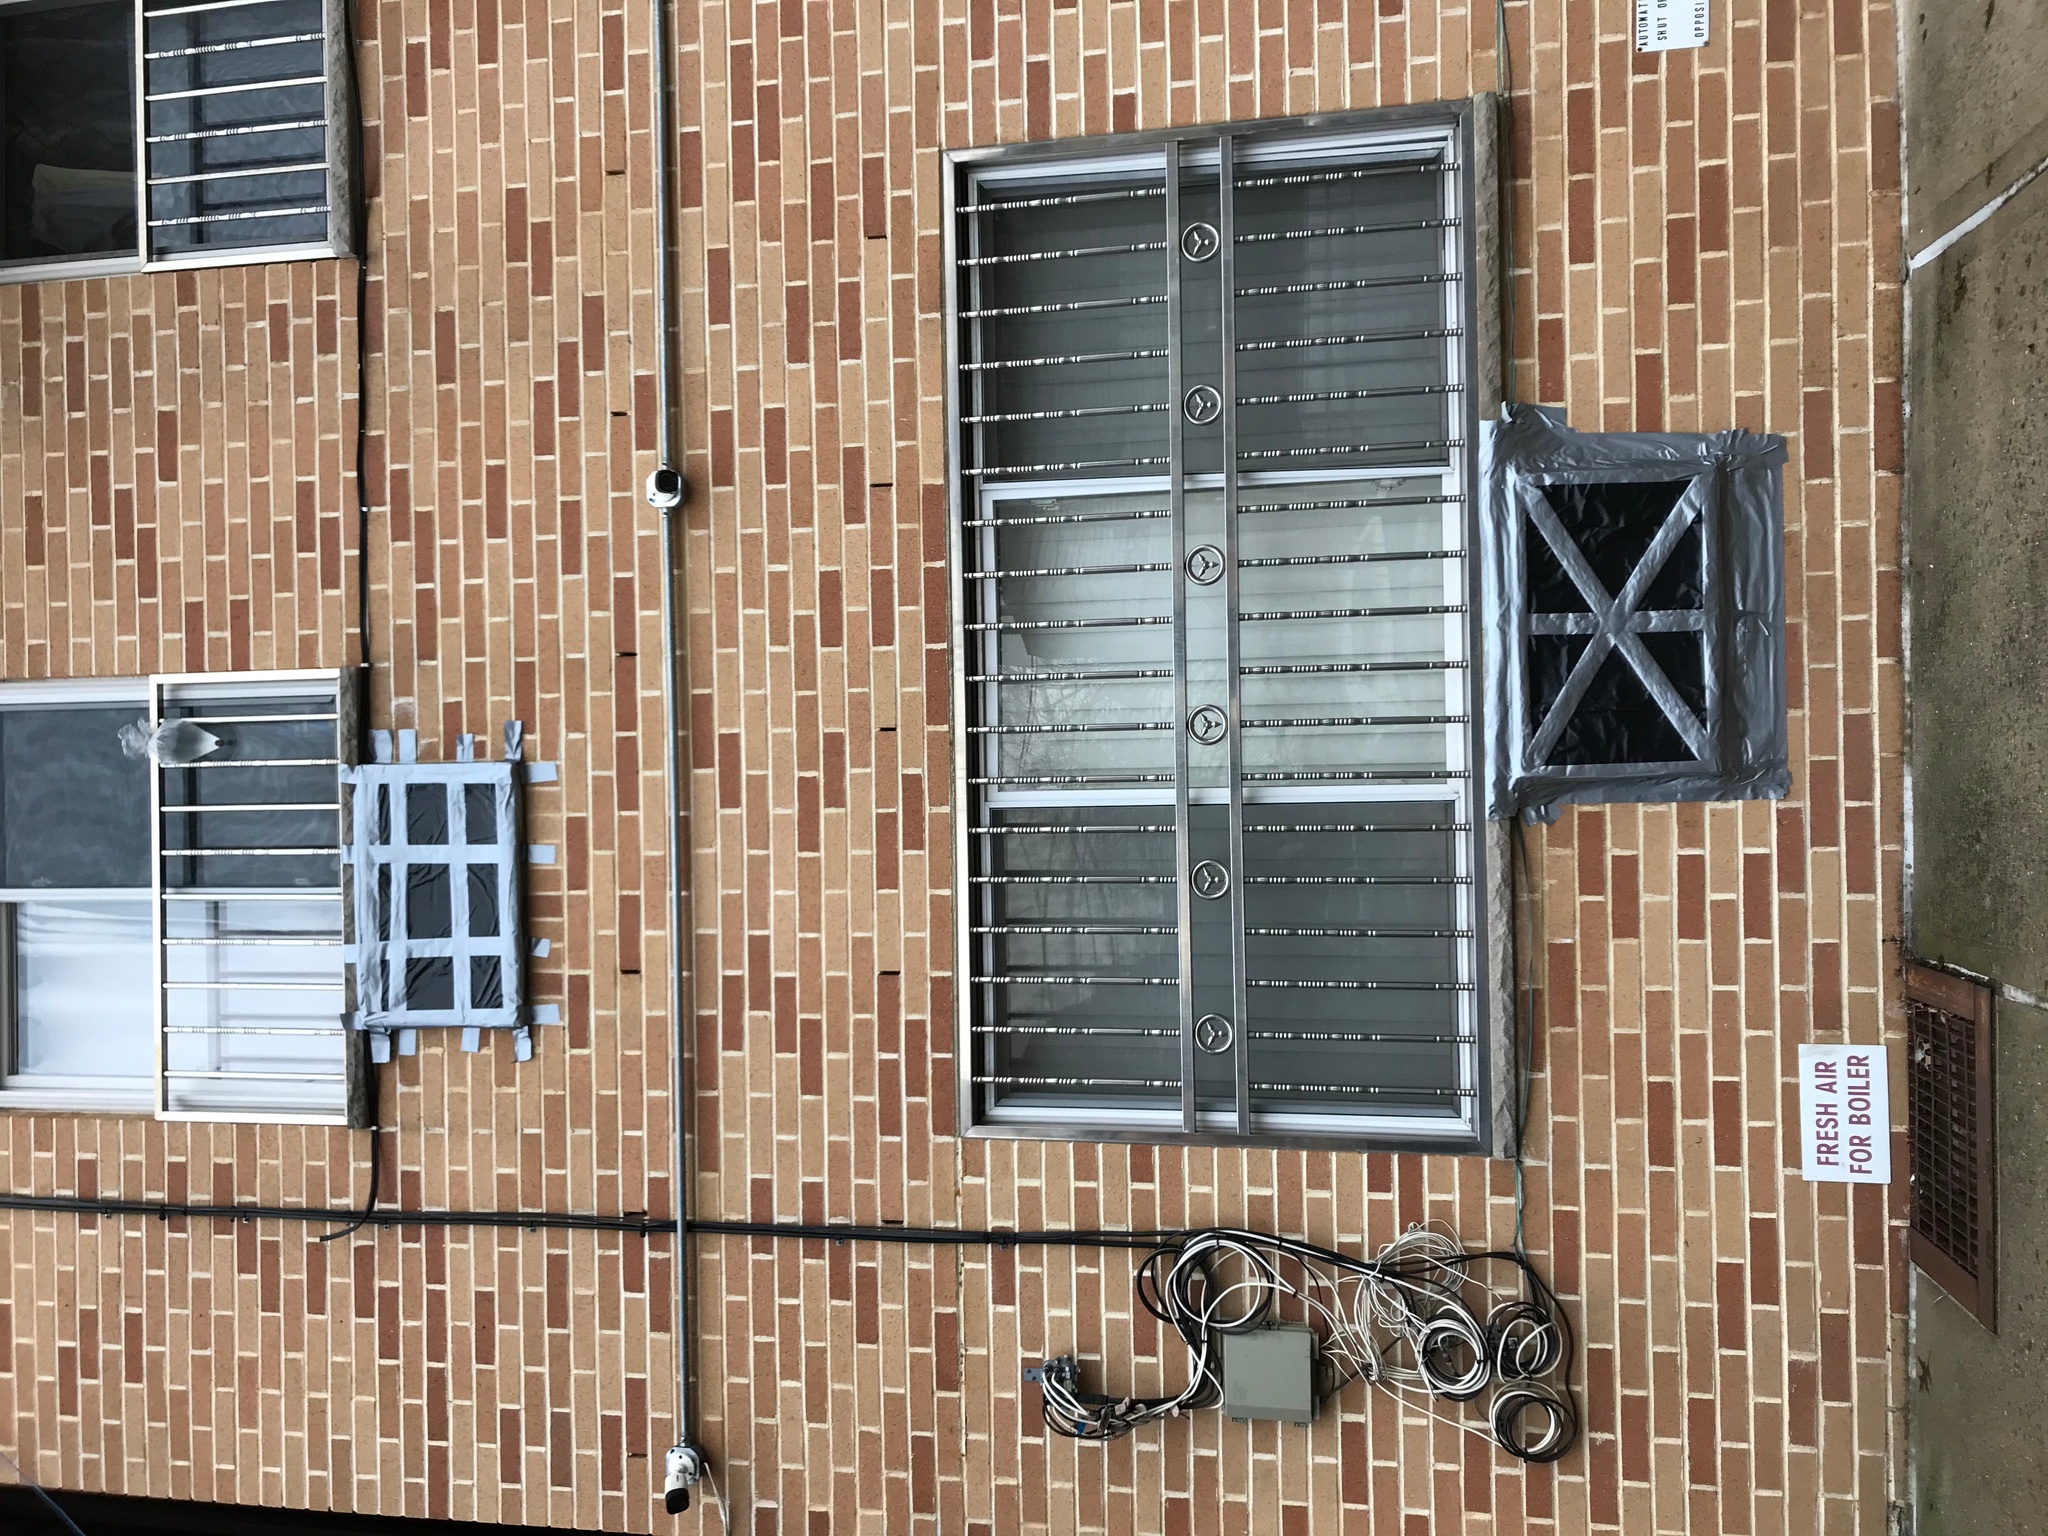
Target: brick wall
pixel 1701 239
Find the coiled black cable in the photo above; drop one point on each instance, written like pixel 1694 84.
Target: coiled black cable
pixel 1404 1320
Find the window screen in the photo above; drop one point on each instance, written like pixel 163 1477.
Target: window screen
pixel 1214 637
pixel 1640 577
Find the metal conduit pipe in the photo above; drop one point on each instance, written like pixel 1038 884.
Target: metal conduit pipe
pixel 684 1465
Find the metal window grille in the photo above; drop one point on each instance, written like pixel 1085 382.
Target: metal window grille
pixel 1953 1237
pixel 247 901
pixel 243 120
pixel 436 865
pixel 1211 398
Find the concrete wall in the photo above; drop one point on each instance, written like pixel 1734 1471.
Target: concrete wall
pixel 1700 240
pixel 1976 117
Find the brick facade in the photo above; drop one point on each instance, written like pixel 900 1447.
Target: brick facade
pixel 1700 239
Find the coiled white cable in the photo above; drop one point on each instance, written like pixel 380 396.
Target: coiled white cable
pixel 1403 1320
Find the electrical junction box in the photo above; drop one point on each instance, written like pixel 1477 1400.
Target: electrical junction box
pixel 1270 1373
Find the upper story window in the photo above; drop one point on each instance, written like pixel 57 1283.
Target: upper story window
pixel 1225 866
pixel 171 910
pixel 171 133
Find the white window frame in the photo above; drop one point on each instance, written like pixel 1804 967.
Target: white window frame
pixel 343 238
pixel 150 1093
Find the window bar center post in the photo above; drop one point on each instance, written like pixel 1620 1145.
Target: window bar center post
pixel 1226 275
pixel 1183 842
pixel 156 889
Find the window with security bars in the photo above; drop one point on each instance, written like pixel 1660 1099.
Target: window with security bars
pixel 1212 408
pixel 172 132
pixel 1953 1236
pixel 171 921
pixel 250 922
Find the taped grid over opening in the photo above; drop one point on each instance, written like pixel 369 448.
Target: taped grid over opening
pixel 439 917
pixel 1953 1233
pixel 1637 583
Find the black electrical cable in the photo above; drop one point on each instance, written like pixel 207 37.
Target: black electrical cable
pixel 1504 79
pixel 372 1215
pixel 360 213
pixel 369 1201
pixel 1407 1324
pixel 1516 1342
pixel 957 1237
pixel 56 1510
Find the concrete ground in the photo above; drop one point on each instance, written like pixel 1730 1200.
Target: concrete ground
pixel 1976 118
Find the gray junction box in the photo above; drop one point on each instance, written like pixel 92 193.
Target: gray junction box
pixel 1270 1373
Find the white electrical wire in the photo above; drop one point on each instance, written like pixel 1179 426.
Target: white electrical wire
pixel 1416 1319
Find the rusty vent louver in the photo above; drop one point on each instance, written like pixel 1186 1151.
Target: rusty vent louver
pixel 1953 1237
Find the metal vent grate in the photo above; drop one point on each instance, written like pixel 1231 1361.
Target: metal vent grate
pixel 1949 1118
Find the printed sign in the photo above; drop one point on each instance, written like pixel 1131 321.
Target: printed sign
pixel 1662 24
pixel 1844 1114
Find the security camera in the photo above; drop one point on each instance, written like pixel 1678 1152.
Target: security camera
pixel 665 488
pixel 684 1467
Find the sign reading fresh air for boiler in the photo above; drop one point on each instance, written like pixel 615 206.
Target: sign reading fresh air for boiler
pixel 1662 24
pixel 1844 1114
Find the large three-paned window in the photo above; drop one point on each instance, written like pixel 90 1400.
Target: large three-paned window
pixel 1225 875
pixel 172 923
pixel 171 133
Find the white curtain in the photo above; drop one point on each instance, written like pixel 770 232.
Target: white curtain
pixel 83 989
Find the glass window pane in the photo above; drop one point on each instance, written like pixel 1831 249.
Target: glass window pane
pixel 1063 281
pixel 67 131
pixel 255 988
pixel 74 809
pixel 83 989
pixel 1073 893
pixel 1353 916
pixel 1340 316
pixel 1351 611
pixel 1083 641
pixel 261 745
